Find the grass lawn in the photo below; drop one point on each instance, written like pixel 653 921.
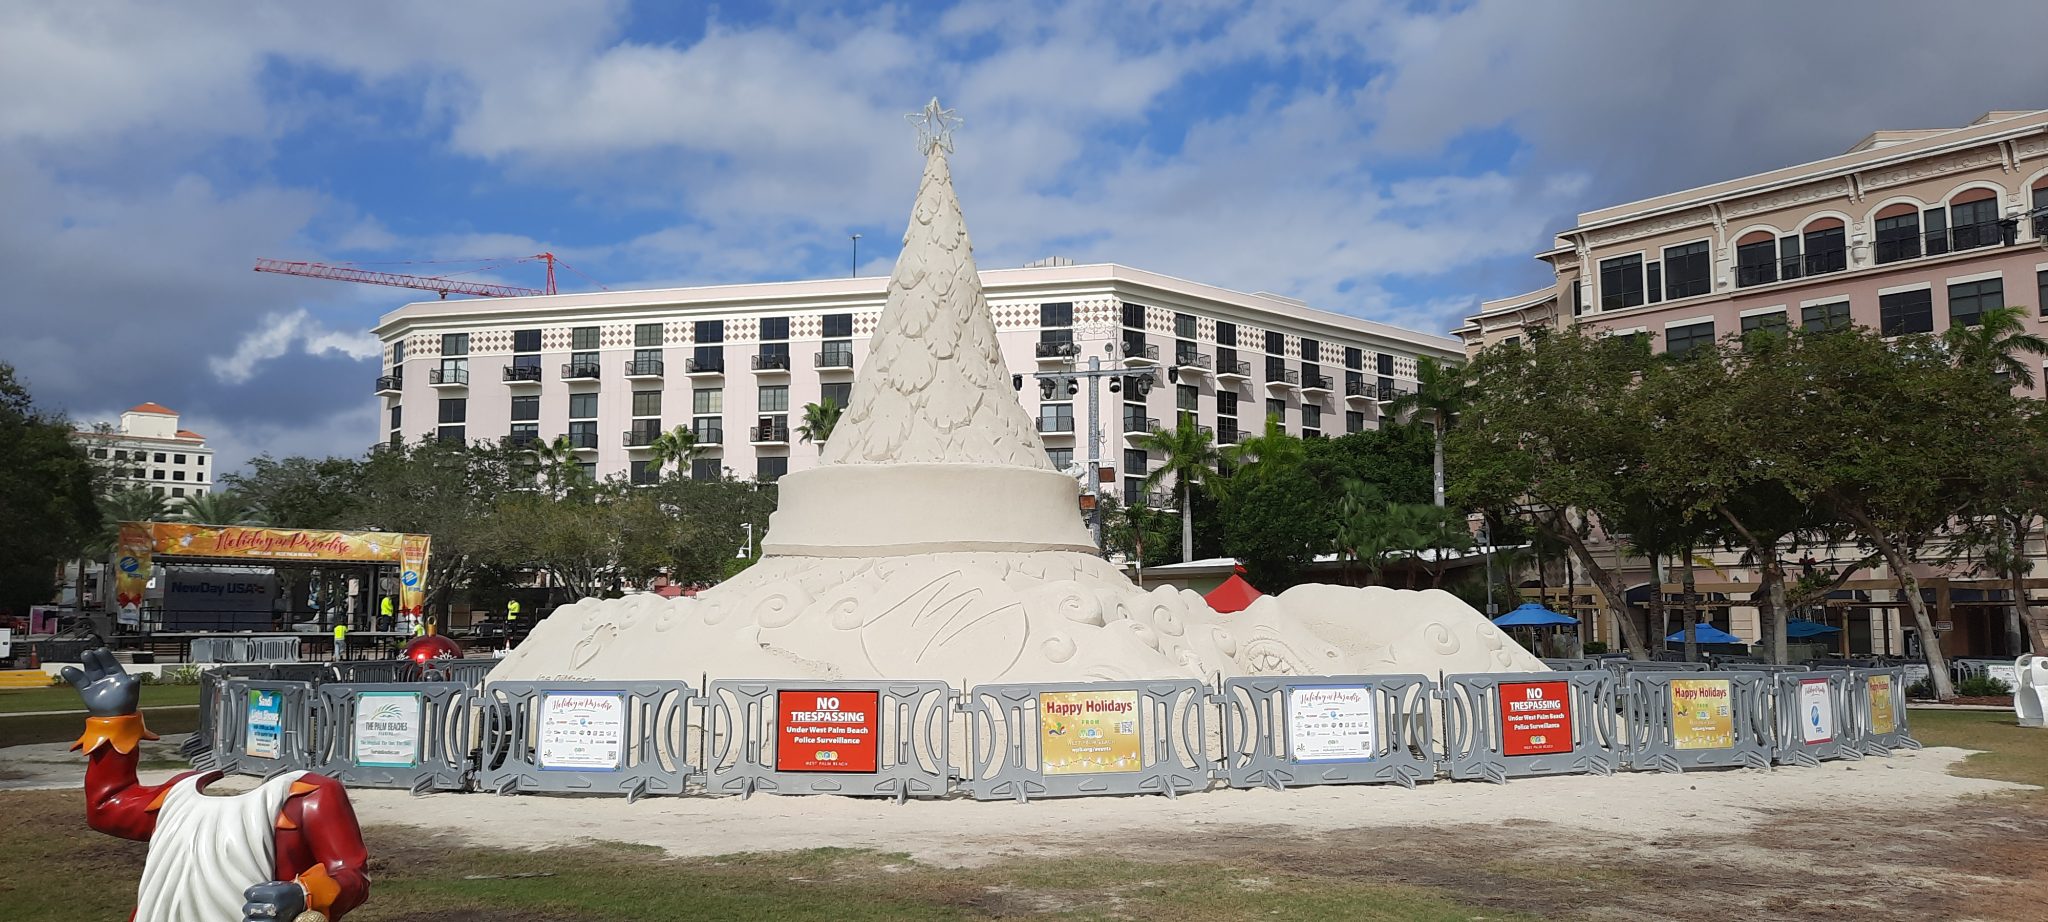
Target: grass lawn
pixel 63 728
pixel 2006 751
pixel 65 698
pixel 59 870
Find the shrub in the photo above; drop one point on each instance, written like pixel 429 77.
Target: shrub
pixel 1920 689
pixel 1982 686
pixel 1594 647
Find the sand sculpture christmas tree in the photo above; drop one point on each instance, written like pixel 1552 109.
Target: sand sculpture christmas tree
pixel 934 541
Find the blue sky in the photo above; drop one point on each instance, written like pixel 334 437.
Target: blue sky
pixel 1394 160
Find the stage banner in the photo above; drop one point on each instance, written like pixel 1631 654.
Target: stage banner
pixel 1088 731
pixel 827 731
pixel 1535 718
pixel 412 573
pixel 140 542
pixel 1701 714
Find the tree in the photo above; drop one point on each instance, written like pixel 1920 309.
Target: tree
pixel 299 492
pixel 819 420
pixel 677 446
pixel 1137 532
pixel 554 466
pixel 1272 452
pixel 449 491
pixel 49 497
pixel 1275 524
pixel 1995 343
pixel 218 508
pixel 2016 498
pixel 1188 457
pixel 1441 392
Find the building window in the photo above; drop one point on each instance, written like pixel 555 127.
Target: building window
pixel 177 491
pixel 1898 237
pixel 1276 408
pixel 1311 416
pixel 1059 416
pixel 707 401
pixel 523 408
pixel 1184 326
pixel 1354 357
pixel 774 328
pixel 397 414
pixel 770 468
pixel 1681 340
pixel 525 340
pixel 1187 398
pixel 1226 333
pixel 587 470
pixel 1974 224
pixel 1057 314
pixel 1969 300
pixel 641 472
pixel 180 459
pixel 157 490
pixel 1773 321
pixel 1820 318
pixel 838 325
pixel 1136 461
pixel 1756 263
pixel 177 475
pixel 1578 298
pixel 1276 344
pixel 1311 351
pixel 581 406
pixel 707 358
pixel 704 469
pixel 841 395
pixel 2041 290
pixel 159 457
pixel 1060 458
pixel 583 339
pixel 1827 250
pixel 1276 368
pixel 1134 315
pixel 709 331
pixel 99 453
pixel 1653 285
pixel 1354 420
pixel 775 399
pixel 1934 230
pixel 456 434
pixel 200 460
pixel 139 474
pixel 1134 418
pixel 454 410
pixel 583 433
pixel 1621 282
pixel 122 455
pixel 1226 403
pixel 647 335
pixel 522 434
pixel 1906 312
pixel 646 403
pixel 455 344
pixel 1688 270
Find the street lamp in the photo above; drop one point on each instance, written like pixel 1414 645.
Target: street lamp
pixel 747 549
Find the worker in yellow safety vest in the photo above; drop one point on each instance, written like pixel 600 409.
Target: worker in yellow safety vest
pixel 419 627
pixel 511 613
pixel 340 639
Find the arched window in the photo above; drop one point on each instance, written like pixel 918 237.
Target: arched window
pixel 1826 243
pixel 1898 232
pixel 1756 258
pixel 2040 207
pixel 1973 220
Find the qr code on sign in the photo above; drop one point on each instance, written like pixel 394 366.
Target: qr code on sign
pixel 1127 726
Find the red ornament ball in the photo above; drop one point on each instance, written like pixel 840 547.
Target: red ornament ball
pixel 432 647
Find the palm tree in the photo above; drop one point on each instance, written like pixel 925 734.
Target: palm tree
pixel 1272 449
pixel 217 509
pixel 1441 392
pixel 1996 342
pixel 819 420
pixel 1188 455
pixel 677 446
pixel 557 462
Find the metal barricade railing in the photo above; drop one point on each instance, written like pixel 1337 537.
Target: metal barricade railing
pixel 1284 731
pixel 267 727
pixel 469 672
pixel 412 736
pixel 206 748
pixel 381 671
pixel 1880 696
pixel 1815 716
pixel 1068 739
pixel 1504 725
pixel 876 738
pixel 585 737
pixel 1677 721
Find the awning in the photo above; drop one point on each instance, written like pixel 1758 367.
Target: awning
pixel 1796 629
pixel 1706 633
pixel 1533 615
pixel 1234 595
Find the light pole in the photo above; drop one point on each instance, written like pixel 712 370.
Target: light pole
pixel 1486 547
pixel 747 549
pixel 1050 382
pixel 856 258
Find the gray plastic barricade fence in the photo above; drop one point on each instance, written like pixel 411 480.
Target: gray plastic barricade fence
pixel 585 737
pixel 245 649
pixel 412 736
pixel 1816 718
pixel 313 673
pixel 1698 720
pixel 1503 725
pixel 207 746
pixel 267 726
pixel 393 670
pixel 469 672
pixel 1572 665
pixel 1880 696
pixel 1068 739
pixel 1284 731
pixel 1623 667
pixel 867 738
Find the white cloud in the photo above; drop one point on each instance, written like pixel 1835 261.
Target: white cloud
pixel 277 335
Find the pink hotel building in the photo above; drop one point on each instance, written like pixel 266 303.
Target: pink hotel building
pixel 737 363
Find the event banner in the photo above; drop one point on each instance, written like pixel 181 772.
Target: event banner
pixel 141 542
pixel 1535 718
pixel 580 733
pixel 387 729
pixel 1882 720
pixel 1085 732
pixel 1816 712
pixel 828 731
pixel 1332 723
pixel 263 737
pixel 1701 714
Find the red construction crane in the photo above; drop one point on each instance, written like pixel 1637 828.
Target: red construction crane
pixel 437 284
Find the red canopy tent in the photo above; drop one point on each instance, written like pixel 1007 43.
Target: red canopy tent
pixel 1234 595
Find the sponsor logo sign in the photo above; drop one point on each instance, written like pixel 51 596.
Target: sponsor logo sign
pixel 263 736
pixel 1087 732
pixel 1816 712
pixel 1882 719
pixel 387 731
pixel 1702 714
pixel 1535 718
pixel 1332 723
pixel 828 731
pixel 582 732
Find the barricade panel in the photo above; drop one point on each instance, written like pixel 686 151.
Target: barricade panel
pixel 412 736
pixel 1815 717
pixel 1503 725
pixel 1283 731
pixel 1068 739
pixel 469 672
pixel 865 738
pixel 365 671
pixel 585 737
pixel 1697 720
pixel 266 727
pixel 1880 696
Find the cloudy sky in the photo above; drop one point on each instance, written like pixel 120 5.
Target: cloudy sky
pixel 1395 160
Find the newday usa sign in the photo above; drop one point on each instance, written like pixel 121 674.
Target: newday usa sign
pixel 219 591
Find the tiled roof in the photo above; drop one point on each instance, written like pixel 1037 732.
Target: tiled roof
pixel 152 408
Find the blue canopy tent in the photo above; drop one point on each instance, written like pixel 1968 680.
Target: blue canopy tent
pixel 1535 617
pixel 1705 633
pixel 1799 629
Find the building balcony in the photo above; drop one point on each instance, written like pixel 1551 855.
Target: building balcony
pixel 639 438
pixel 1227 434
pixel 1361 390
pixel 386 445
pixel 768 435
pixel 1058 351
pixel 1238 371
pixel 1056 425
pixel 582 441
pixel 1140 426
pixel 448 377
pixel 520 374
pixel 1391 394
pixel 711 366
pixel 1286 377
pixel 1141 354
pixel 645 369
pixel 834 360
pixel 1315 384
pixel 521 441
pixel 1191 361
pixel 708 436
pixel 580 371
pixel 772 364
pixel 390 385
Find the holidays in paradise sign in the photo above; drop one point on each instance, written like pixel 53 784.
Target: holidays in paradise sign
pixel 1701 714
pixel 387 729
pixel 827 731
pixel 1088 731
pixel 1816 712
pixel 1535 718
pixel 580 732
pixel 1332 723
pixel 1882 720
